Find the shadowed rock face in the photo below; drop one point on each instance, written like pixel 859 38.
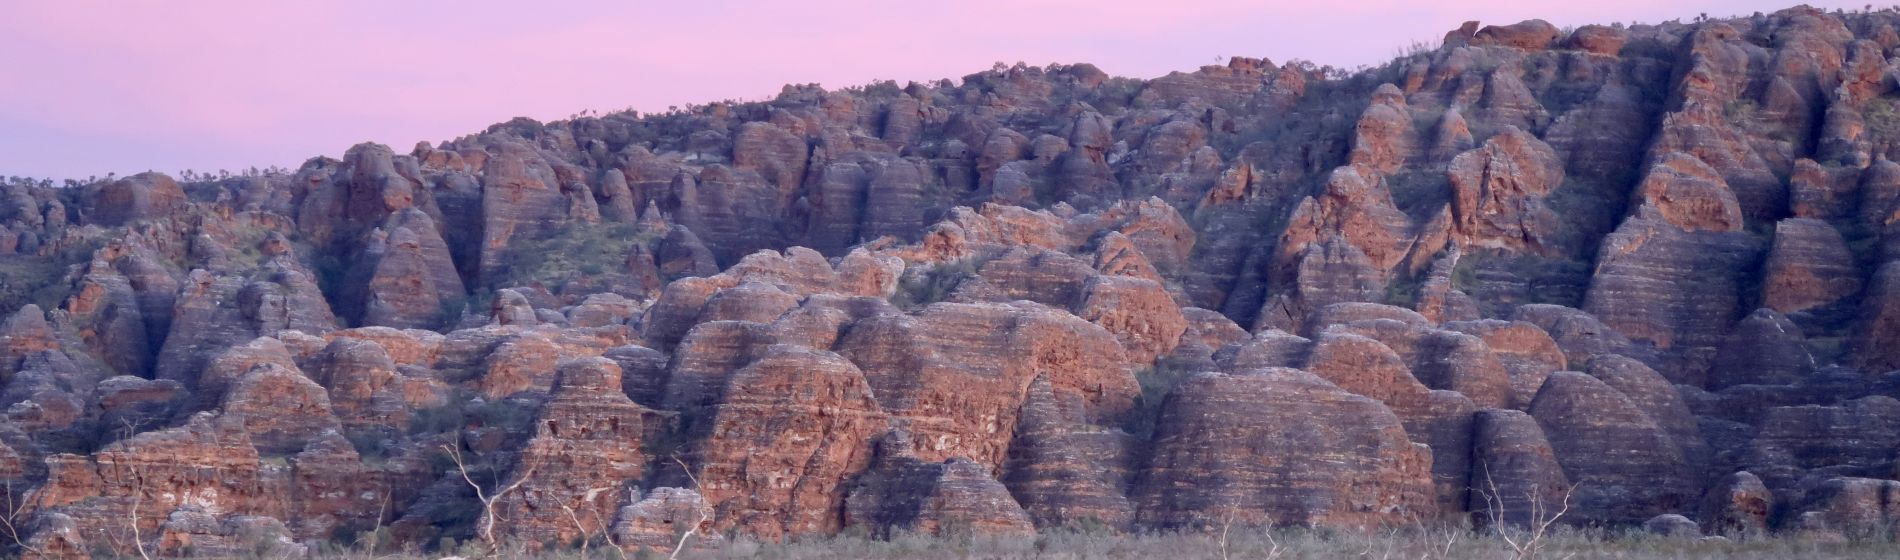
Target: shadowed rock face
pixel 1252 445
pixel 1653 269
pixel 1634 470
pixel 1515 477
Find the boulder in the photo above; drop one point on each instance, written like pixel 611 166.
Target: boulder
pixel 1738 505
pixel 1532 34
pixel 1853 507
pixel 656 520
pixel 1672 526
pixel 1597 39
pixel 139 197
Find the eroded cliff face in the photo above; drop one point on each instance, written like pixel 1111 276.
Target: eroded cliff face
pixel 1647 270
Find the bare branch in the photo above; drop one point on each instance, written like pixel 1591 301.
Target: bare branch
pixel 581 528
pixel 13 513
pixel 681 545
pixel 578 527
pixel 138 496
pixel 487 529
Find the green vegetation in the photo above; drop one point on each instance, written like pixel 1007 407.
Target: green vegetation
pixel 41 279
pixel 586 257
pixel 31 279
pixel 1402 289
pixel 1882 117
pixel 1156 384
pixel 920 286
pixel 463 410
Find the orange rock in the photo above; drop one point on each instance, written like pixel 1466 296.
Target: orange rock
pixel 575 469
pixel 791 428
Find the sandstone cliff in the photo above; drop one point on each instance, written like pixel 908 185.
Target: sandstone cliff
pixel 1641 270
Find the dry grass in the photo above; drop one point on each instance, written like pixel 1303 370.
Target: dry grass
pixel 1279 544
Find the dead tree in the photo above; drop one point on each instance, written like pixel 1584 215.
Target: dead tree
pixel 486 527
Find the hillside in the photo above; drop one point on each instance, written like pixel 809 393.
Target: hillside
pixel 1633 271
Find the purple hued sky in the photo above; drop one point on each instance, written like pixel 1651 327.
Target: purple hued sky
pixel 92 87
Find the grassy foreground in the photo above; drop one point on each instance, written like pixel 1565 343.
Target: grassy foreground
pixel 1248 544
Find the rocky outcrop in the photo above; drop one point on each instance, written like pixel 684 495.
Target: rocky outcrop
pixel 655 520
pixel 207 462
pixel 1137 311
pixel 1597 39
pixel 1648 268
pixel 792 427
pixel 335 491
pixel 1527 34
pixel 1808 267
pixel 1498 193
pixel 573 472
pixel 412 280
pixel 1515 475
pixel 281 409
pixel 1857 436
pixel 216 312
pixel 1879 321
pixel 193 531
pixel 956 372
pixel 1852 507
pixel 957 496
pixel 1739 505
pixel 1689 194
pixel 1201 474
pixel 1357 207
pixel 1673 288
pixel 1383 139
pixel 143 196
pixel 1630 468
pixel 1765 349
pixel 521 195
pixel 1527 353
pixel 1656 398
pixel 1064 470
pixel 1578 334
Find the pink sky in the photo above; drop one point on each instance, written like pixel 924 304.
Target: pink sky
pixel 126 86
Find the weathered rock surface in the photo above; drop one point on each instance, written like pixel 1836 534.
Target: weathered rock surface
pixel 1674 289
pixel 1852 507
pixel 1765 349
pixel 793 426
pixel 1738 505
pixel 1808 267
pixel 1651 268
pixel 1498 193
pixel 1631 469
pixel 655 520
pixel 1201 471
pixel 1515 476
pixel 1528 34
pixel 956 496
pixel 586 447
pixel 139 197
